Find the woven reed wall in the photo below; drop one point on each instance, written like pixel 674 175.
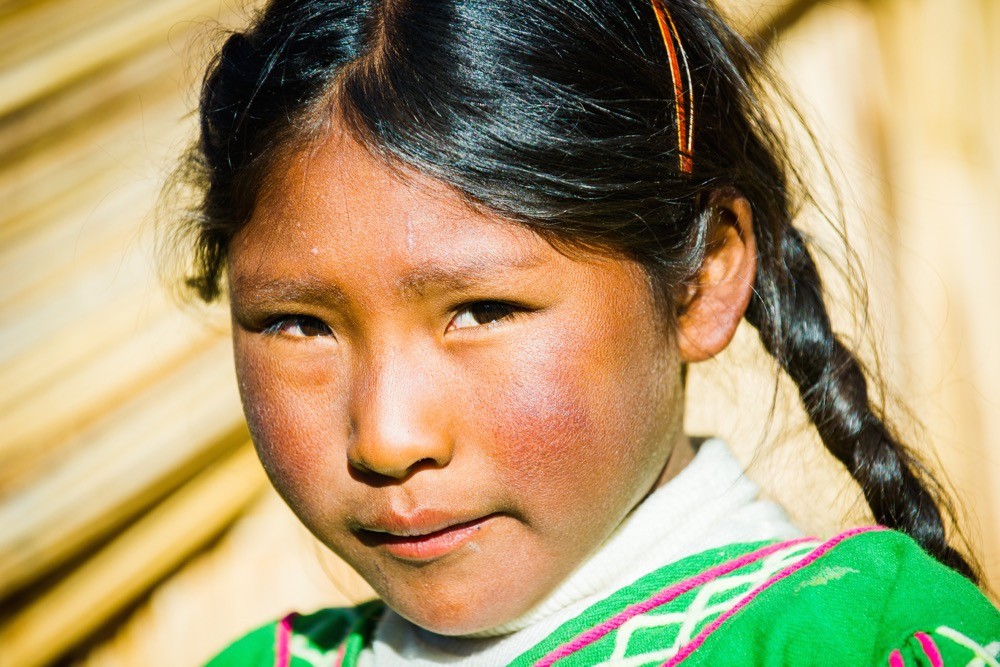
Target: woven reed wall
pixel 136 527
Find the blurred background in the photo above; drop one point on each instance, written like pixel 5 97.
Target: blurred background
pixel 136 527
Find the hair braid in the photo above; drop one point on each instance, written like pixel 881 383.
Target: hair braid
pixel 795 328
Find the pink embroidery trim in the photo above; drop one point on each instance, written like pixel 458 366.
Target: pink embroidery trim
pixel 283 653
pixel 661 598
pixel 896 659
pixel 930 648
pixel 341 652
pixel 691 646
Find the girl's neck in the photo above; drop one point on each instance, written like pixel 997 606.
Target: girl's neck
pixel 680 457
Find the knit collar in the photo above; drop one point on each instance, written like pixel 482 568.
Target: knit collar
pixel 671 523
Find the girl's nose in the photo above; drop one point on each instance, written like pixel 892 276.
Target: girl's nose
pixel 398 418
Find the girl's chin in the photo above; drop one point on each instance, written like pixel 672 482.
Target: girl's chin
pixel 463 606
pixel 477 583
pixel 454 622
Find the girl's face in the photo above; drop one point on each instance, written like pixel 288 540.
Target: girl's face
pixel 461 412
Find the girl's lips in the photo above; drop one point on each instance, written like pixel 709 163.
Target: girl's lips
pixel 426 546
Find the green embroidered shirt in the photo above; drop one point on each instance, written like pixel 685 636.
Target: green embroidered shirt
pixel 866 597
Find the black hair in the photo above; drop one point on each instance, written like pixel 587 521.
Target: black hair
pixel 559 115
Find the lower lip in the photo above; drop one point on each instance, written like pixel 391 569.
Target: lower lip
pixel 432 545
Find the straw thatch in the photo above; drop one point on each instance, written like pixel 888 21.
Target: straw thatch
pixel 136 526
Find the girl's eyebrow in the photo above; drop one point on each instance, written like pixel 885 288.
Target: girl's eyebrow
pixel 460 276
pixel 416 282
pixel 304 289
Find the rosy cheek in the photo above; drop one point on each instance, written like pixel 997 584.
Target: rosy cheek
pixel 292 410
pixel 571 420
pixel 541 419
pixel 539 425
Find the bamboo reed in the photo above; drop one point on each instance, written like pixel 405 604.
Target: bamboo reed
pixel 30 426
pixel 71 59
pixel 119 466
pixel 131 564
pixel 49 354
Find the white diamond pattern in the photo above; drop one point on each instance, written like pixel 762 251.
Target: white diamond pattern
pixel 701 610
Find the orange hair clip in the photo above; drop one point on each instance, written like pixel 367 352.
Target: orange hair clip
pixel 682 100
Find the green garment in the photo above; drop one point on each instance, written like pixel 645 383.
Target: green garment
pixel 867 597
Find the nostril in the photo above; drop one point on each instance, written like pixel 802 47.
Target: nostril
pixel 361 472
pixel 369 476
pixel 425 463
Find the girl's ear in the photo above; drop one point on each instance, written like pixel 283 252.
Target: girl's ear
pixel 711 307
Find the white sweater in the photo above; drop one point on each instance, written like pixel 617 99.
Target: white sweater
pixel 710 503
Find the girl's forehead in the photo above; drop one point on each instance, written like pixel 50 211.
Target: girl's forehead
pixel 335 202
pixel 337 173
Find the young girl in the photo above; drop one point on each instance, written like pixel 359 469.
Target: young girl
pixel 470 247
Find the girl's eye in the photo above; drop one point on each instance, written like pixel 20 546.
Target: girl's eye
pixel 298 326
pixel 480 313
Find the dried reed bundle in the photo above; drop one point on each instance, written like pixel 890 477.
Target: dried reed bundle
pixel 265 566
pixel 95 389
pixel 108 404
pixel 73 58
pixel 119 466
pixel 132 563
pixel 68 348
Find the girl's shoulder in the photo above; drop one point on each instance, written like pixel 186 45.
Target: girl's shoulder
pixel 865 597
pixel 874 596
pixel 305 640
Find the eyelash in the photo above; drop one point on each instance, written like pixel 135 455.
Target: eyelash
pixel 498 310
pixel 507 311
pixel 275 327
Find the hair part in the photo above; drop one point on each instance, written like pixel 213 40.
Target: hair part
pixel 559 116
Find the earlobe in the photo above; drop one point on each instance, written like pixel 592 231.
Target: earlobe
pixel 712 306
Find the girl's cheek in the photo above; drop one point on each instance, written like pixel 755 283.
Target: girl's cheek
pixel 539 419
pixel 291 405
pixel 581 417
pixel 548 425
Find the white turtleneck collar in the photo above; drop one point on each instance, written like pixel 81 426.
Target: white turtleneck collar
pixel 709 504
